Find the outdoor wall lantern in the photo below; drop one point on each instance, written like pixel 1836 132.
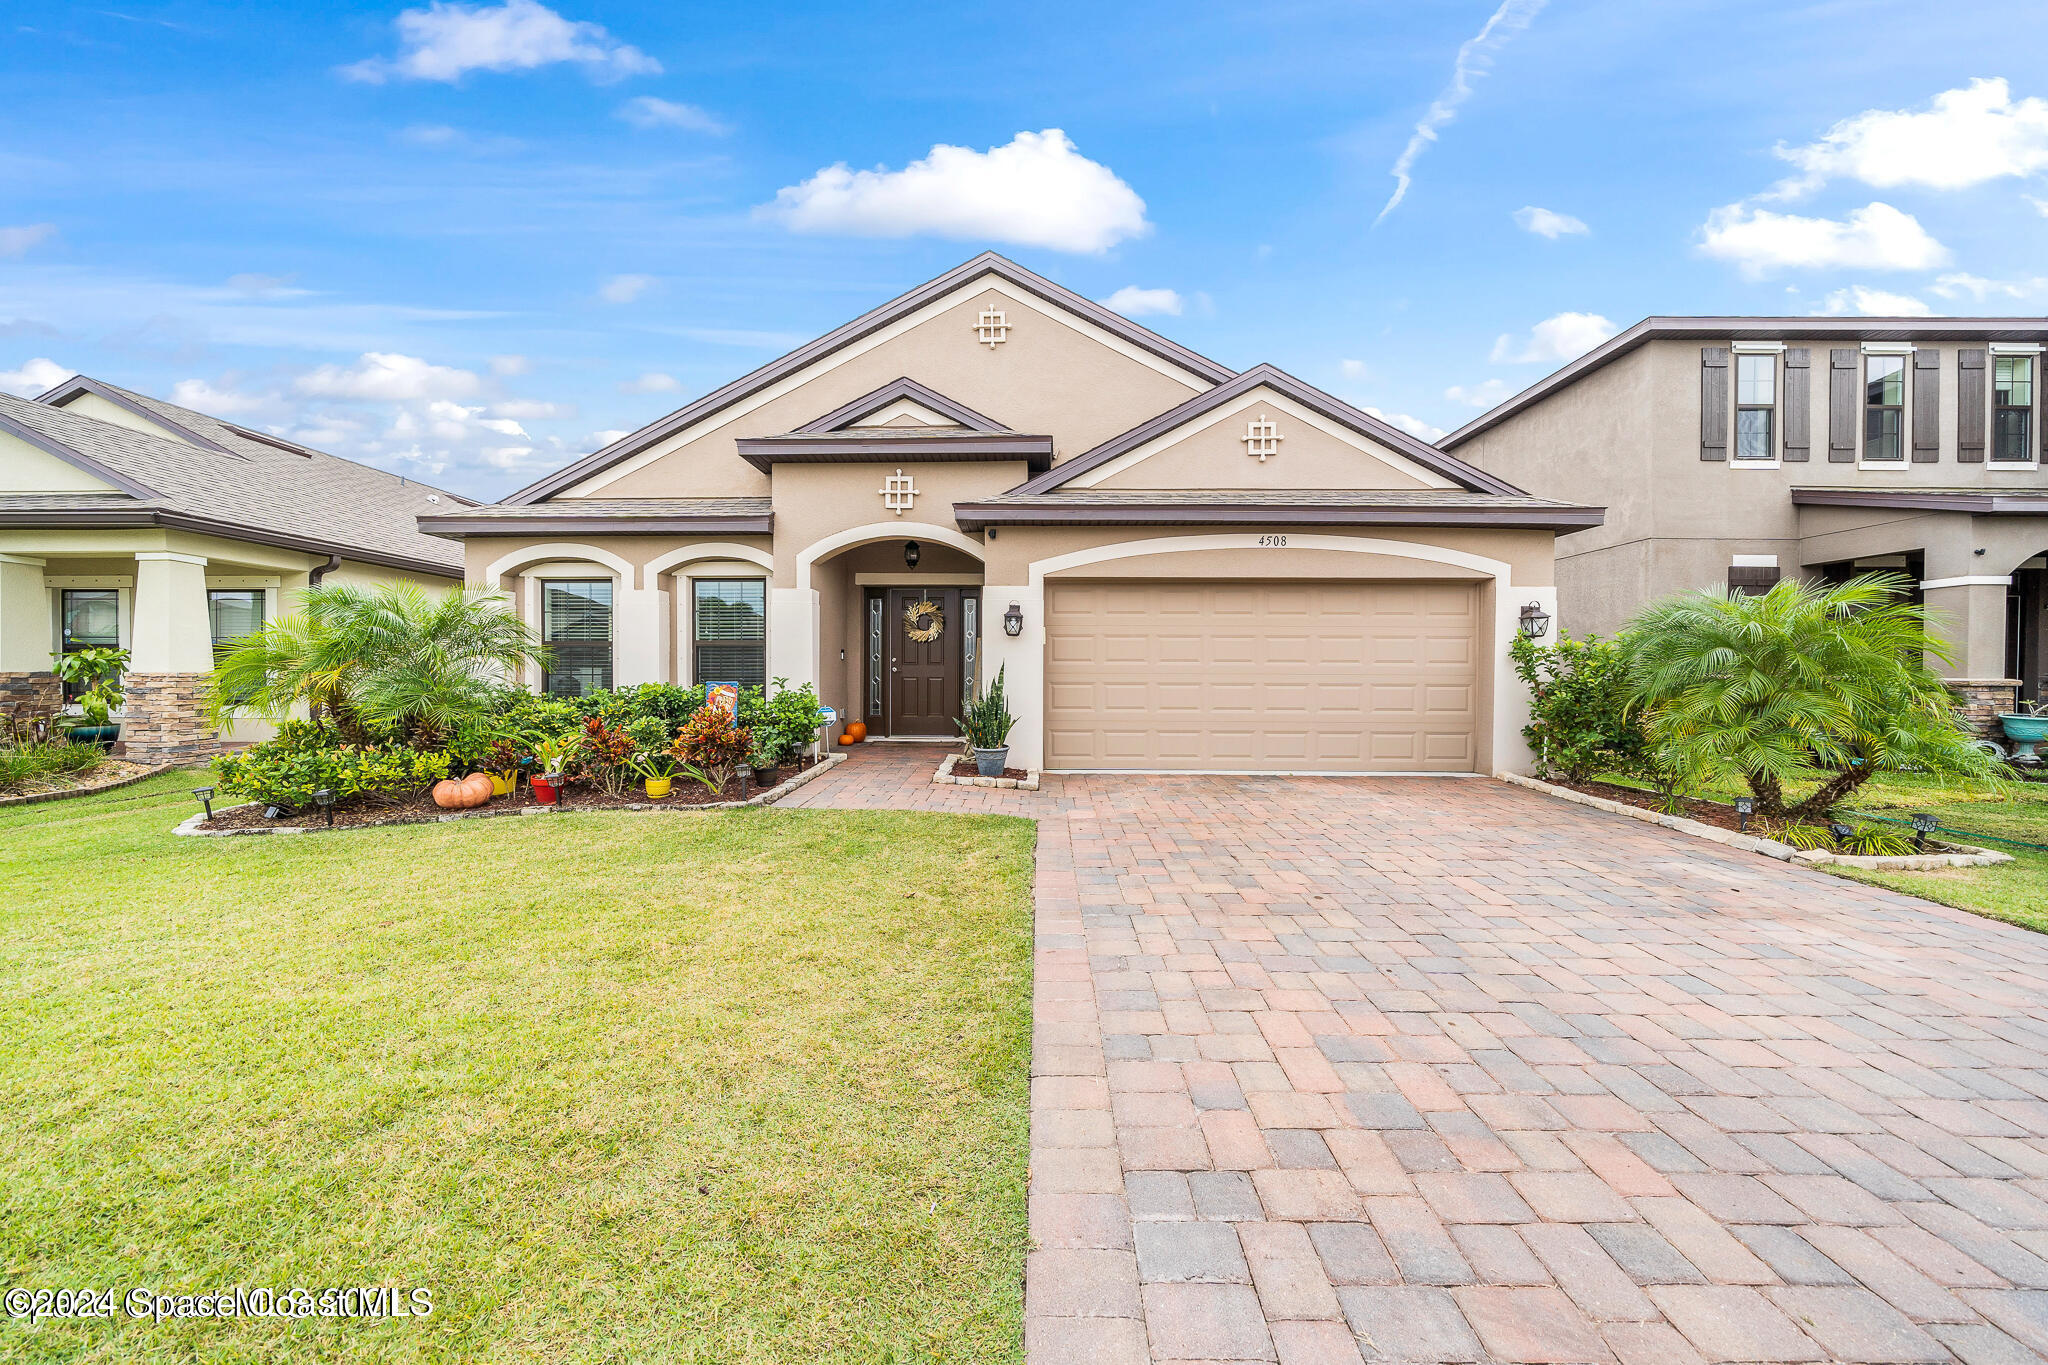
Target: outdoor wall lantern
pixel 912 551
pixel 1535 621
pixel 1013 620
pixel 205 797
pixel 324 799
pixel 1745 806
pixel 1923 825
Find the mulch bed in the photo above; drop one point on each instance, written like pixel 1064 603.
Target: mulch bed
pixel 1706 812
pixel 420 808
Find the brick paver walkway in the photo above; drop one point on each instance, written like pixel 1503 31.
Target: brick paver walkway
pixel 1442 1070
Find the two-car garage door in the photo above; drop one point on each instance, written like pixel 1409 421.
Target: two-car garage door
pixel 1262 676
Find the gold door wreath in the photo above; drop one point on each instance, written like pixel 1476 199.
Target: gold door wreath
pixel 915 625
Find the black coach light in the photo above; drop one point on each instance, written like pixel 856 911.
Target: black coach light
pixel 1013 620
pixel 324 799
pixel 1745 806
pixel 205 797
pixel 1535 621
pixel 911 553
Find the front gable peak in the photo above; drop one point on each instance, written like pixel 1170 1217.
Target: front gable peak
pixel 901 403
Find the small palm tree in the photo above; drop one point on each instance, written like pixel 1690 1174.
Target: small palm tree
pixel 394 658
pixel 1770 686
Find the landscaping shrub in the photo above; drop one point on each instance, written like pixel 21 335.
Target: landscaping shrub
pixel 1580 718
pixel 284 774
pixel 604 758
pixel 31 759
pixel 713 744
pixel 782 724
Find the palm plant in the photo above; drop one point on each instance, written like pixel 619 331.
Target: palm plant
pixel 395 658
pixel 1766 688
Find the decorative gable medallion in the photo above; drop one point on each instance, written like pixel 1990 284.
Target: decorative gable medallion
pixel 992 329
pixel 899 491
pixel 1261 437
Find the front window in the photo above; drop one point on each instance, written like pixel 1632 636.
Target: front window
pixel 232 613
pixel 2012 408
pixel 730 630
pixel 1756 407
pixel 91 620
pixel 1884 408
pixel 576 629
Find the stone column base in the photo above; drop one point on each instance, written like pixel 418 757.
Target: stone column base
pixel 164 719
pixel 1982 700
pixel 24 695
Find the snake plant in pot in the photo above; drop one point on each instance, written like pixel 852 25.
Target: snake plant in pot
pixel 986 728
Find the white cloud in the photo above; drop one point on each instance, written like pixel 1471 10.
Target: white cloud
pixel 1965 137
pixel 1134 302
pixel 531 409
pixel 1353 369
pixel 1475 58
pixel 34 376
pixel 1876 303
pixel 387 377
pixel 1979 289
pixel 1036 190
pixel 598 440
pixel 1556 339
pixel 624 288
pixel 1414 426
pixel 2040 204
pixel 444 42
pixel 432 135
pixel 16 241
pixel 1874 237
pixel 220 400
pixel 265 286
pixel 507 365
pixel 653 382
pixel 1484 395
pixel 1545 223
pixel 646 111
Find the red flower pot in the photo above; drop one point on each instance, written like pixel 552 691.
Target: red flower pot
pixel 544 791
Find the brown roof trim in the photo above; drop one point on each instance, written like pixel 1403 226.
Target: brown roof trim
pixel 988 263
pixel 175 520
pixel 893 391
pixel 1986 502
pixel 79 460
pixel 975 516
pixel 78 384
pixel 456 526
pixel 765 452
pixel 1753 329
pixel 1309 396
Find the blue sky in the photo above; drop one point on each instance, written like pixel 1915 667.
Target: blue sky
pixel 466 241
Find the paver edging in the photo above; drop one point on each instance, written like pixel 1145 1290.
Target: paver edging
pixel 944 777
pixel 1966 856
pixel 190 827
pixel 38 798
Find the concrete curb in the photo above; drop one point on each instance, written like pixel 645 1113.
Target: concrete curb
pixel 1965 856
pixel 40 798
pixel 190 828
pixel 944 777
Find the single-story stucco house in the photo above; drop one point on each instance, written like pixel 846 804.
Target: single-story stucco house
pixel 132 522
pixel 1176 566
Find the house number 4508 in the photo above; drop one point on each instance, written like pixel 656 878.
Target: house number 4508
pixel 1275 541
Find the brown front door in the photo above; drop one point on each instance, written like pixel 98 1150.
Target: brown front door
pixel 924 675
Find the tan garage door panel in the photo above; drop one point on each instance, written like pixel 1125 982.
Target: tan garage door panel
pixel 1274 676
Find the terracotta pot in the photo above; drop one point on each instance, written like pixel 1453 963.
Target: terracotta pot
pixel 856 731
pixel 448 795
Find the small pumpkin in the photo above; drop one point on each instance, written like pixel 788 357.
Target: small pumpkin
pixel 857 730
pixel 448 794
pixel 476 789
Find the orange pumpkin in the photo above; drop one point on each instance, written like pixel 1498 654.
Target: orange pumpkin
pixel 476 789
pixel 448 795
pixel 856 731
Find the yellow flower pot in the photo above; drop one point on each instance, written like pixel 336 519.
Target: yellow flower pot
pixel 657 787
pixel 504 783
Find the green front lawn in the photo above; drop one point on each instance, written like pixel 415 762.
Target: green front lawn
pixel 733 1087
pixel 2016 892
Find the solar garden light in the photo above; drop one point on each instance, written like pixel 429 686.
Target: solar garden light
pixel 1923 825
pixel 1839 830
pixel 205 796
pixel 324 799
pixel 1745 806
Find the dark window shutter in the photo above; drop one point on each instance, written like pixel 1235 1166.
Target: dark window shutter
pixel 1842 406
pixel 1970 401
pixel 1713 402
pixel 1751 582
pixel 1926 407
pixel 1798 404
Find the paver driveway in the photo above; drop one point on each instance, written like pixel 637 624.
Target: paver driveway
pixel 1443 1070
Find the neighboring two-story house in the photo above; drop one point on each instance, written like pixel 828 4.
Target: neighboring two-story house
pixel 1736 450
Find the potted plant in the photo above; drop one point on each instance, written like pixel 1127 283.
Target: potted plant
pixel 766 759
pixel 98 671
pixel 986 727
pixel 549 754
pixel 657 769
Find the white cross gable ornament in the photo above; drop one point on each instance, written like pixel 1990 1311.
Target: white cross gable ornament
pixel 992 329
pixel 898 492
pixel 1261 437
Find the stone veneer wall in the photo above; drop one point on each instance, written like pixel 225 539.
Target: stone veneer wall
pixel 1983 700
pixel 36 692
pixel 165 718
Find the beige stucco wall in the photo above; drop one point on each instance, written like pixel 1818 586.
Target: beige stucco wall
pixel 98 408
pixel 817 502
pixel 30 469
pixel 1056 375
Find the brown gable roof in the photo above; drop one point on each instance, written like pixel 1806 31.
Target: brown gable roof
pixel 1282 507
pixel 988 263
pixel 1310 397
pixel 1752 329
pixel 847 414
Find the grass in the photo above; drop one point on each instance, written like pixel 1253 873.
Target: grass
pixel 736 1087
pixel 2016 892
